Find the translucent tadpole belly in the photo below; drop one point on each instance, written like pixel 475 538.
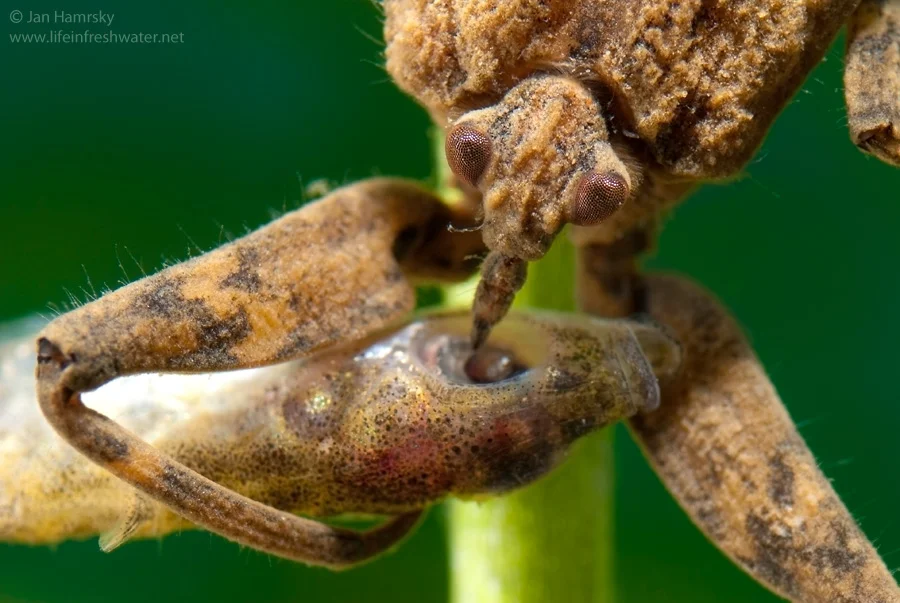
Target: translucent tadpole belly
pixel 383 426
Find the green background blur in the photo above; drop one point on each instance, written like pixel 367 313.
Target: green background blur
pixel 114 151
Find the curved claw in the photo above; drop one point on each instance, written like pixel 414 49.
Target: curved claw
pixel 724 445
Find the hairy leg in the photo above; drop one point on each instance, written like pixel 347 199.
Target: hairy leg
pixel 333 271
pixel 726 448
pixel 872 79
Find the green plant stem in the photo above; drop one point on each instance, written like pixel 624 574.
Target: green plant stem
pixel 549 542
pixel 553 540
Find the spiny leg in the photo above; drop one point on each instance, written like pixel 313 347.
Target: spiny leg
pixel 725 446
pixel 872 78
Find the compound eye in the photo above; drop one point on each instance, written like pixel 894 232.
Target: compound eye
pixel 468 153
pixel 599 196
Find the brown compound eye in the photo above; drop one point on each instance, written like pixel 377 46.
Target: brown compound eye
pixel 599 196
pixel 468 153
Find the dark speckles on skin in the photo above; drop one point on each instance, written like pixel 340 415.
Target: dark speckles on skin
pixel 774 550
pixel 246 277
pixel 778 555
pixel 215 336
pixel 781 482
pixel 174 481
pixel 302 423
pixel 878 45
pixel 164 300
pixel 218 336
pixel 295 344
pixel 215 339
pixel 295 416
pixel 298 303
pixel 838 558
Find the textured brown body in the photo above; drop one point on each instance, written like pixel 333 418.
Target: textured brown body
pixel 656 94
pixel 696 83
pixel 685 91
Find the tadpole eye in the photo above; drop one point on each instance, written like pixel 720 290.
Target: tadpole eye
pixel 599 196
pixel 468 153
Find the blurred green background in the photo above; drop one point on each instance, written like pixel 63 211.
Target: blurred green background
pixel 115 158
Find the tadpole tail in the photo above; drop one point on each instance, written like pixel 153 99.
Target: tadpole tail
pixel 501 278
pixel 726 448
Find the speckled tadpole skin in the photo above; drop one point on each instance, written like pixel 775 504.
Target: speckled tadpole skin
pixel 724 445
pixel 872 78
pixel 386 427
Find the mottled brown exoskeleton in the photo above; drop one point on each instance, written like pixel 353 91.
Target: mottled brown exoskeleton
pixel 604 114
pixel 595 113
